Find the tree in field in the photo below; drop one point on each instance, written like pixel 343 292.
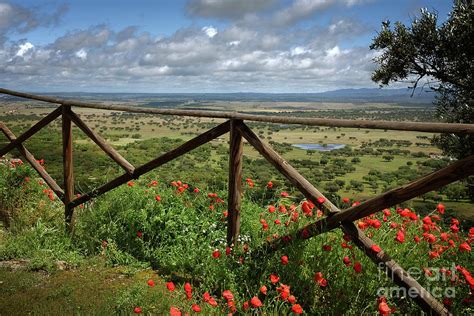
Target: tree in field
pixel 442 54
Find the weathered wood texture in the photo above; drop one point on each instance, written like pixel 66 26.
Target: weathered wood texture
pixel 235 184
pixel 308 190
pixel 31 131
pixel 389 125
pixel 31 159
pixel 68 168
pixel 161 160
pixel 421 296
pixel 109 150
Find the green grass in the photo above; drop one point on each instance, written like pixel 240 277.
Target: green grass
pixel 177 237
pixel 93 289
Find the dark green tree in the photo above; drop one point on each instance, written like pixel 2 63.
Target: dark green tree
pixel 442 54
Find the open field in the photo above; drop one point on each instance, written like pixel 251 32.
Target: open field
pixel 127 131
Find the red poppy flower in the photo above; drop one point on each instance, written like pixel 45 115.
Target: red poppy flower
pixel 245 306
pixel 454 228
pixel 327 247
pixel 151 283
pixel 271 209
pixel 228 250
pixel 400 236
pixel 212 302
pixel 464 247
pixel 291 299
pixel 362 225
pixel 228 295
pixel 284 291
pixel 175 311
pixel 375 248
pixel 206 297
pixel 384 309
pixel 440 208
pixel 216 254
pixel 345 200
pixel 139 234
pixel 158 198
pixel 170 286
pixel 263 290
pixel 284 194
pixel 416 239
pixel 274 278
pixel 297 309
pixel 447 302
pixel 346 261
pixel 250 182
pixel 429 238
pixel 318 277
pixel 376 224
pixel 444 236
pixel 433 254
pixel 130 183
pixel 196 308
pixel 284 260
pixel 269 185
pixel 321 200
pixel 255 302
pixel 188 287
pixel 137 310
pixel 358 267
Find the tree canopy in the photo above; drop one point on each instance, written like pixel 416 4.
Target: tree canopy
pixel 442 54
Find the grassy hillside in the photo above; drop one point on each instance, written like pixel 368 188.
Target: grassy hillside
pixel 179 230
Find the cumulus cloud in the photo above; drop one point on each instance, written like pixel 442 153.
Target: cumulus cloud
pixel 239 56
pixel 210 31
pixel 24 48
pixel 226 8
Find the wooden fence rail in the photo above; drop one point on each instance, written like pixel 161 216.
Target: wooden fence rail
pixel 239 131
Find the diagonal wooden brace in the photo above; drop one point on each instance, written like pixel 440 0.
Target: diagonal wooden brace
pixel 31 159
pixel 109 150
pixel 155 163
pixel 31 131
pixel 424 299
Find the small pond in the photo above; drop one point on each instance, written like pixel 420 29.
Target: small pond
pixel 319 147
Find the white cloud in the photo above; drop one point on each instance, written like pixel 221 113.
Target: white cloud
pixel 299 50
pixel 333 52
pixel 24 48
pixel 82 54
pixel 245 55
pixel 210 31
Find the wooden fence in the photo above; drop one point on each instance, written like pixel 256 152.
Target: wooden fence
pixel 238 131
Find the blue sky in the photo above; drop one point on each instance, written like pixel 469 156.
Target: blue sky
pixel 194 45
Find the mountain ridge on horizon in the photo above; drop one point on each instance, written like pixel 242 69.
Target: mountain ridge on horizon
pixel 357 95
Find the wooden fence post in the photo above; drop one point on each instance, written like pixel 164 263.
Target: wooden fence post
pixel 68 168
pixel 235 183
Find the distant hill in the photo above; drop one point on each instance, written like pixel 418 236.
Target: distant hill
pixel 363 95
